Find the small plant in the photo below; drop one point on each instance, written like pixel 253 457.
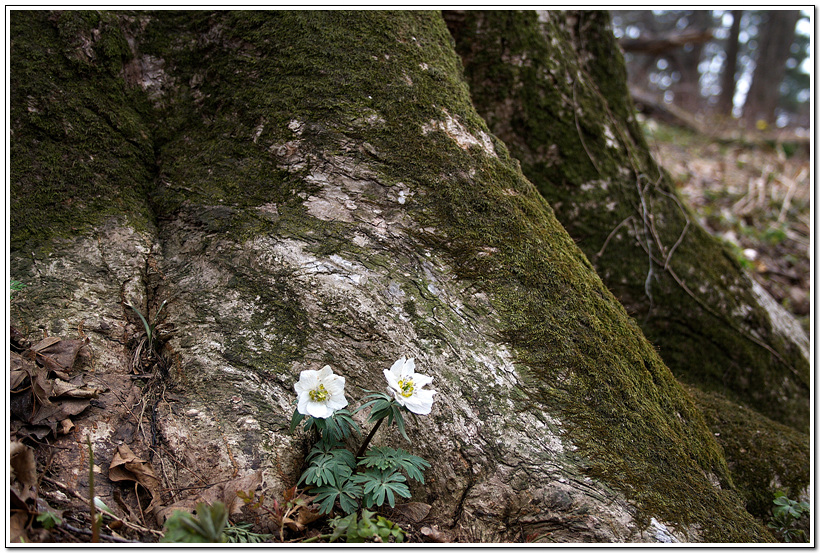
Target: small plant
pixel 370 478
pixel 150 328
pixel 15 286
pixel 207 527
pixel 49 520
pixel 357 530
pixel 295 510
pixel 241 533
pixel 786 514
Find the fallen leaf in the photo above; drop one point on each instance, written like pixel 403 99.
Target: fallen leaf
pixel 226 492
pixel 126 466
pixel 17 528
pixel 434 534
pixel 23 474
pixel 413 511
pixel 58 355
pixel 67 389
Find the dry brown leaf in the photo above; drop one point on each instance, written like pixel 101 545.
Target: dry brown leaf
pixel 225 492
pixel 23 474
pixel 67 389
pixel 413 511
pixel 58 355
pixel 432 533
pixel 50 414
pixel 19 369
pixel 45 342
pixel 17 528
pixel 126 466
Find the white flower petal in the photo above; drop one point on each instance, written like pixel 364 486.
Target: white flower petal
pixel 397 366
pixel 337 402
pixel 336 385
pixel 304 399
pixel 392 378
pixel 319 409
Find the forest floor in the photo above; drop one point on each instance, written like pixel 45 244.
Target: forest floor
pixel 756 198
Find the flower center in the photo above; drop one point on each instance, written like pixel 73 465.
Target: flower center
pixel 319 394
pixel 407 387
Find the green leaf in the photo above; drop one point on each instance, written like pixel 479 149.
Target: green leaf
pixel 296 420
pixel 144 322
pixel 341 425
pixel 342 525
pixel 380 486
pixel 323 448
pixel 381 457
pixel 346 494
pixel 322 470
pixel 241 533
pixel 208 527
pixel 49 520
pixel 328 466
pixel 397 414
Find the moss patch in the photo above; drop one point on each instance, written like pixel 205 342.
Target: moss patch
pixel 80 150
pixel 553 92
pixel 762 455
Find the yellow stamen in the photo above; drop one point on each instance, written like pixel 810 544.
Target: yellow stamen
pixel 407 387
pixel 319 394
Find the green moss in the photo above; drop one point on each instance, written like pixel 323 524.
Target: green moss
pixel 80 151
pixel 581 355
pixel 763 456
pixel 565 113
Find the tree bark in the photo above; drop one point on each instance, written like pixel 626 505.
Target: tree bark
pixel 714 327
pixel 310 188
pixel 776 38
pixel 728 80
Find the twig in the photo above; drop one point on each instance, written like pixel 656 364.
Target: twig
pixel 85 532
pixel 127 523
pixel 95 523
pixel 789 193
pixel 611 234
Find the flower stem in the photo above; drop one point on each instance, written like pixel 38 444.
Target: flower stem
pixel 367 440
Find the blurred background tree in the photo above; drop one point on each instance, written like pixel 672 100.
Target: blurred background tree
pixel 750 64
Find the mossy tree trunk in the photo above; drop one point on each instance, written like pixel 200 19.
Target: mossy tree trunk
pixel 311 188
pixel 553 87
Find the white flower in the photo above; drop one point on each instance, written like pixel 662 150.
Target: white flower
pixel 320 393
pixel 406 386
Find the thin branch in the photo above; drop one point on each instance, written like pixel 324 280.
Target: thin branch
pixel 611 234
pixel 131 525
pixel 85 532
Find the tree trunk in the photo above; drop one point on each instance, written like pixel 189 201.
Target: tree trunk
pixel 775 40
pixel 728 80
pixel 573 129
pixel 686 61
pixel 311 188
